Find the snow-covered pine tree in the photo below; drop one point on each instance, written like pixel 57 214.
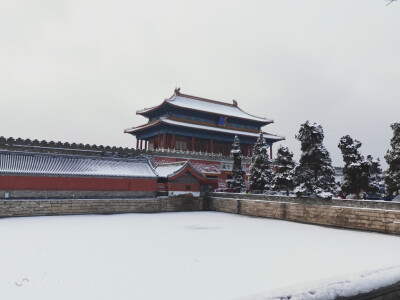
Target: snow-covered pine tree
pixel 375 175
pixel 260 171
pixel 237 182
pixel 315 172
pixel 356 169
pixel 284 178
pixel 392 175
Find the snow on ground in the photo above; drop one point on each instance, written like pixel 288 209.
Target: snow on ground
pixel 193 255
pixel 346 285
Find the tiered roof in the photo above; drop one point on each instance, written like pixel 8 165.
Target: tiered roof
pixel 208 127
pixel 206 105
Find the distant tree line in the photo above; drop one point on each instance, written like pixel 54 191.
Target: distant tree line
pixel 314 173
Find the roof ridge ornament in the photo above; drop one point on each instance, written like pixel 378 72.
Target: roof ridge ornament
pixel 235 104
pixel 177 91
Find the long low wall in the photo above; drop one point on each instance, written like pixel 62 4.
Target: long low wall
pixel 61 194
pixel 378 216
pixel 19 208
pixel 368 215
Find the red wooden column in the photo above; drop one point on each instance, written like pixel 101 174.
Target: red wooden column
pixel 146 145
pixel 270 151
pixel 212 146
pixel 173 141
pixel 137 143
pixel 159 141
pixel 141 144
pixel 164 140
pixel 192 143
pixel 251 151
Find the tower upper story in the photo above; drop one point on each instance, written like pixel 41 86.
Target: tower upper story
pixel 210 112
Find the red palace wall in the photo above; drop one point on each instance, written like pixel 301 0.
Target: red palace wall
pixel 180 186
pixel 76 183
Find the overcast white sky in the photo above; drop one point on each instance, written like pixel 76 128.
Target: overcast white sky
pixel 77 71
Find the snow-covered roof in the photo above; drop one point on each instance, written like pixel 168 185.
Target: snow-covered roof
pixel 207 105
pixel 221 129
pixel 206 128
pixel 167 170
pixel 67 165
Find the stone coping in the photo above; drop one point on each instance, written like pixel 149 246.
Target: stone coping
pixel 373 204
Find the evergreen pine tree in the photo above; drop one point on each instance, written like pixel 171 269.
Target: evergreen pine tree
pixel 356 169
pixel 260 170
pixel 375 177
pixel 237 182
pixel 314 173
pixel 392 175
pixel 284 178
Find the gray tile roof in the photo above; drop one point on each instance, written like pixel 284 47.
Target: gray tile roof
pixel 20 163
pixel 165 170
pixel 168 169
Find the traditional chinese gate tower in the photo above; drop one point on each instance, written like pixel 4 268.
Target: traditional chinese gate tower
pixel 190 124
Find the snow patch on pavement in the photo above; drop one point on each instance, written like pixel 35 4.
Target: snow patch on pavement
pixel 341 286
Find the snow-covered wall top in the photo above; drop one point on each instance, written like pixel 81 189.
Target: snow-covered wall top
pixel 19 144
pixel 28 145
pixel 64 165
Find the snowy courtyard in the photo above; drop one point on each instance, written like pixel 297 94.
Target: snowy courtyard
pixel 193 255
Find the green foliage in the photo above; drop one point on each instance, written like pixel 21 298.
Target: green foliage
pixel 356 170
pixel 237 182
pixel 375 175
pixel 392 175
pixel 284 178
pixel 315 172
pixel 260 170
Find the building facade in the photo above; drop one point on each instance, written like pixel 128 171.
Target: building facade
pixel 32 169
pixel 202 130
pixel 188 139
